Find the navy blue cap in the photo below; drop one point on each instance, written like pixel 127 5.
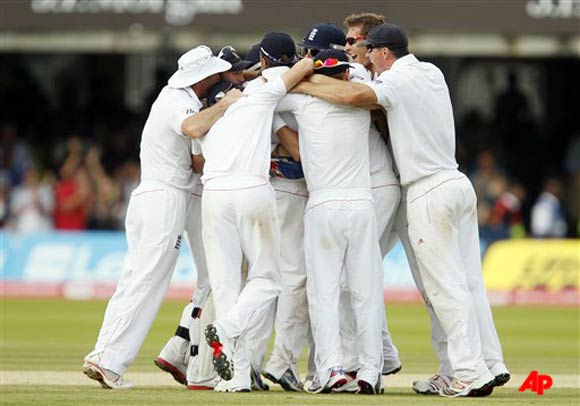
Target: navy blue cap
pixel 253 54
pixel 323 36
pixel 229 54
pixel 388 35
pixel 218 91
pixel 329 55
pixel 279 48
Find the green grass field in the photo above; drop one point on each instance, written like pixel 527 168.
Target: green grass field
pixel 51 338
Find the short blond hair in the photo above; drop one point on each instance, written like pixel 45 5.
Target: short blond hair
pixel 367 21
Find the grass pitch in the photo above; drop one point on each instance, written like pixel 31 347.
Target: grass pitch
pixel 55 335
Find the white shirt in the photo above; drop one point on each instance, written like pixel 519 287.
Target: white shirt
pixel 237 147
pixel 420 117
pixel 165 151
pixel 379 154
pixel 333 143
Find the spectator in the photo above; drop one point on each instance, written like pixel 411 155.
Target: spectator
pixel 72 191
pixel 548 220
pixel 106 193
pixel 15 153
pixel 507 211
pixel 31 204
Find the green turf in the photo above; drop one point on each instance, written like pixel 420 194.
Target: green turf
pixel 89 396
pixel 55 335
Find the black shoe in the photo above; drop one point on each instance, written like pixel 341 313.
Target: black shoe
pixel 270 377
pixel 365 388
pixel 257 383
pixel 289 382
pixel 501 379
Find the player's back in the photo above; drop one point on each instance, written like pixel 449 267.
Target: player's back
pixel 333 144
pixel 237 147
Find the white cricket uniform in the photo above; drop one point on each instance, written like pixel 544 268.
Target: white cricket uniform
pixel 386 196
pixel 154 225
pixel 292 322
pixel 441 210
pixel 193 229
pixel 340 229
pixel 239 207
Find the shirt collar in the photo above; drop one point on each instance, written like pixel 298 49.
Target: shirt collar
pixel 408 59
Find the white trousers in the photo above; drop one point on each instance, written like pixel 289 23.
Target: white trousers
pixel 239 223
pixel 154 227
pixel 444 236
pixel 292 323
pixel 193 229
pixel 386 197
pixel 343 233
pixel 438 337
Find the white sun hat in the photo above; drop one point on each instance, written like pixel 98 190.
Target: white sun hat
pixel 196 65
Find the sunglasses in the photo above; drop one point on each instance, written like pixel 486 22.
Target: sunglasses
pixel 306 51
pixel 354 40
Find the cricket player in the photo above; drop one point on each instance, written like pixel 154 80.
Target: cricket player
pixel 340 230
pixel 292 324
pixel 238 204
pixel 157 214
pixel 441 203
pixel 184 346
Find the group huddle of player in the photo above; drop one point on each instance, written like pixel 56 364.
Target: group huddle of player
pixel 292 182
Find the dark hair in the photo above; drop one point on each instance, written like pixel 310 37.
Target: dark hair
pixel 399 52
pixel 367 21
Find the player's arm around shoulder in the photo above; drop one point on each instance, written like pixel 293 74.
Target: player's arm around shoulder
pixel 198 124
pixel 299 71
pixel 338 91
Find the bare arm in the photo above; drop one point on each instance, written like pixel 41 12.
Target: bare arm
pixel 338 91
pixel 251 74
pixel 289 140
pixel 198 125
pixel 197 163
pixel 301 69
pixel 380 121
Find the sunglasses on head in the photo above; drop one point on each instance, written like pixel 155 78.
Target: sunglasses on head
pixel 354 40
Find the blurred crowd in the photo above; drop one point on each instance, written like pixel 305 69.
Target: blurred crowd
pixel 77 194
pixel 55 179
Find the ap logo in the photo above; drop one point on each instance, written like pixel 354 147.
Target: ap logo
pixel 536 383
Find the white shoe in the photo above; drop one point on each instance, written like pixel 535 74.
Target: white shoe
pixel 480 387
pixel 351 385
pixel 308 382
pixel 107 378
pixel 501 374
pixel 223 350
pixel 208 384
pixel 227 386
pixel 173 359
pixel 222 386
pixel 336 380
pixel 433 385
